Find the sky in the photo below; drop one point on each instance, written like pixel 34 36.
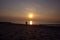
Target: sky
pixel 16 11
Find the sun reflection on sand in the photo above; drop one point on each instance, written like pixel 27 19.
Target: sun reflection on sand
pixel 30 22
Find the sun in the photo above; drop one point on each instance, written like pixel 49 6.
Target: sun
pixel 30 22
pixel 30 15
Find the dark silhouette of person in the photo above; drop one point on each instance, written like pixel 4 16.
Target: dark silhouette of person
pixel 26 23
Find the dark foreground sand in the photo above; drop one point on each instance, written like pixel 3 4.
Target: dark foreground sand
pixel 23 32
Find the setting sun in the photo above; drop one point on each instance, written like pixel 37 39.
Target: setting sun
pixel 30 15
pixel 30 22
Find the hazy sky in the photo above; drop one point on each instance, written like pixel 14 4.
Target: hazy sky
pixel 44 11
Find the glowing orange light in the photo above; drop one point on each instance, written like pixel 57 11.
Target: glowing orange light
pixel 30 22
pixel 30 15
